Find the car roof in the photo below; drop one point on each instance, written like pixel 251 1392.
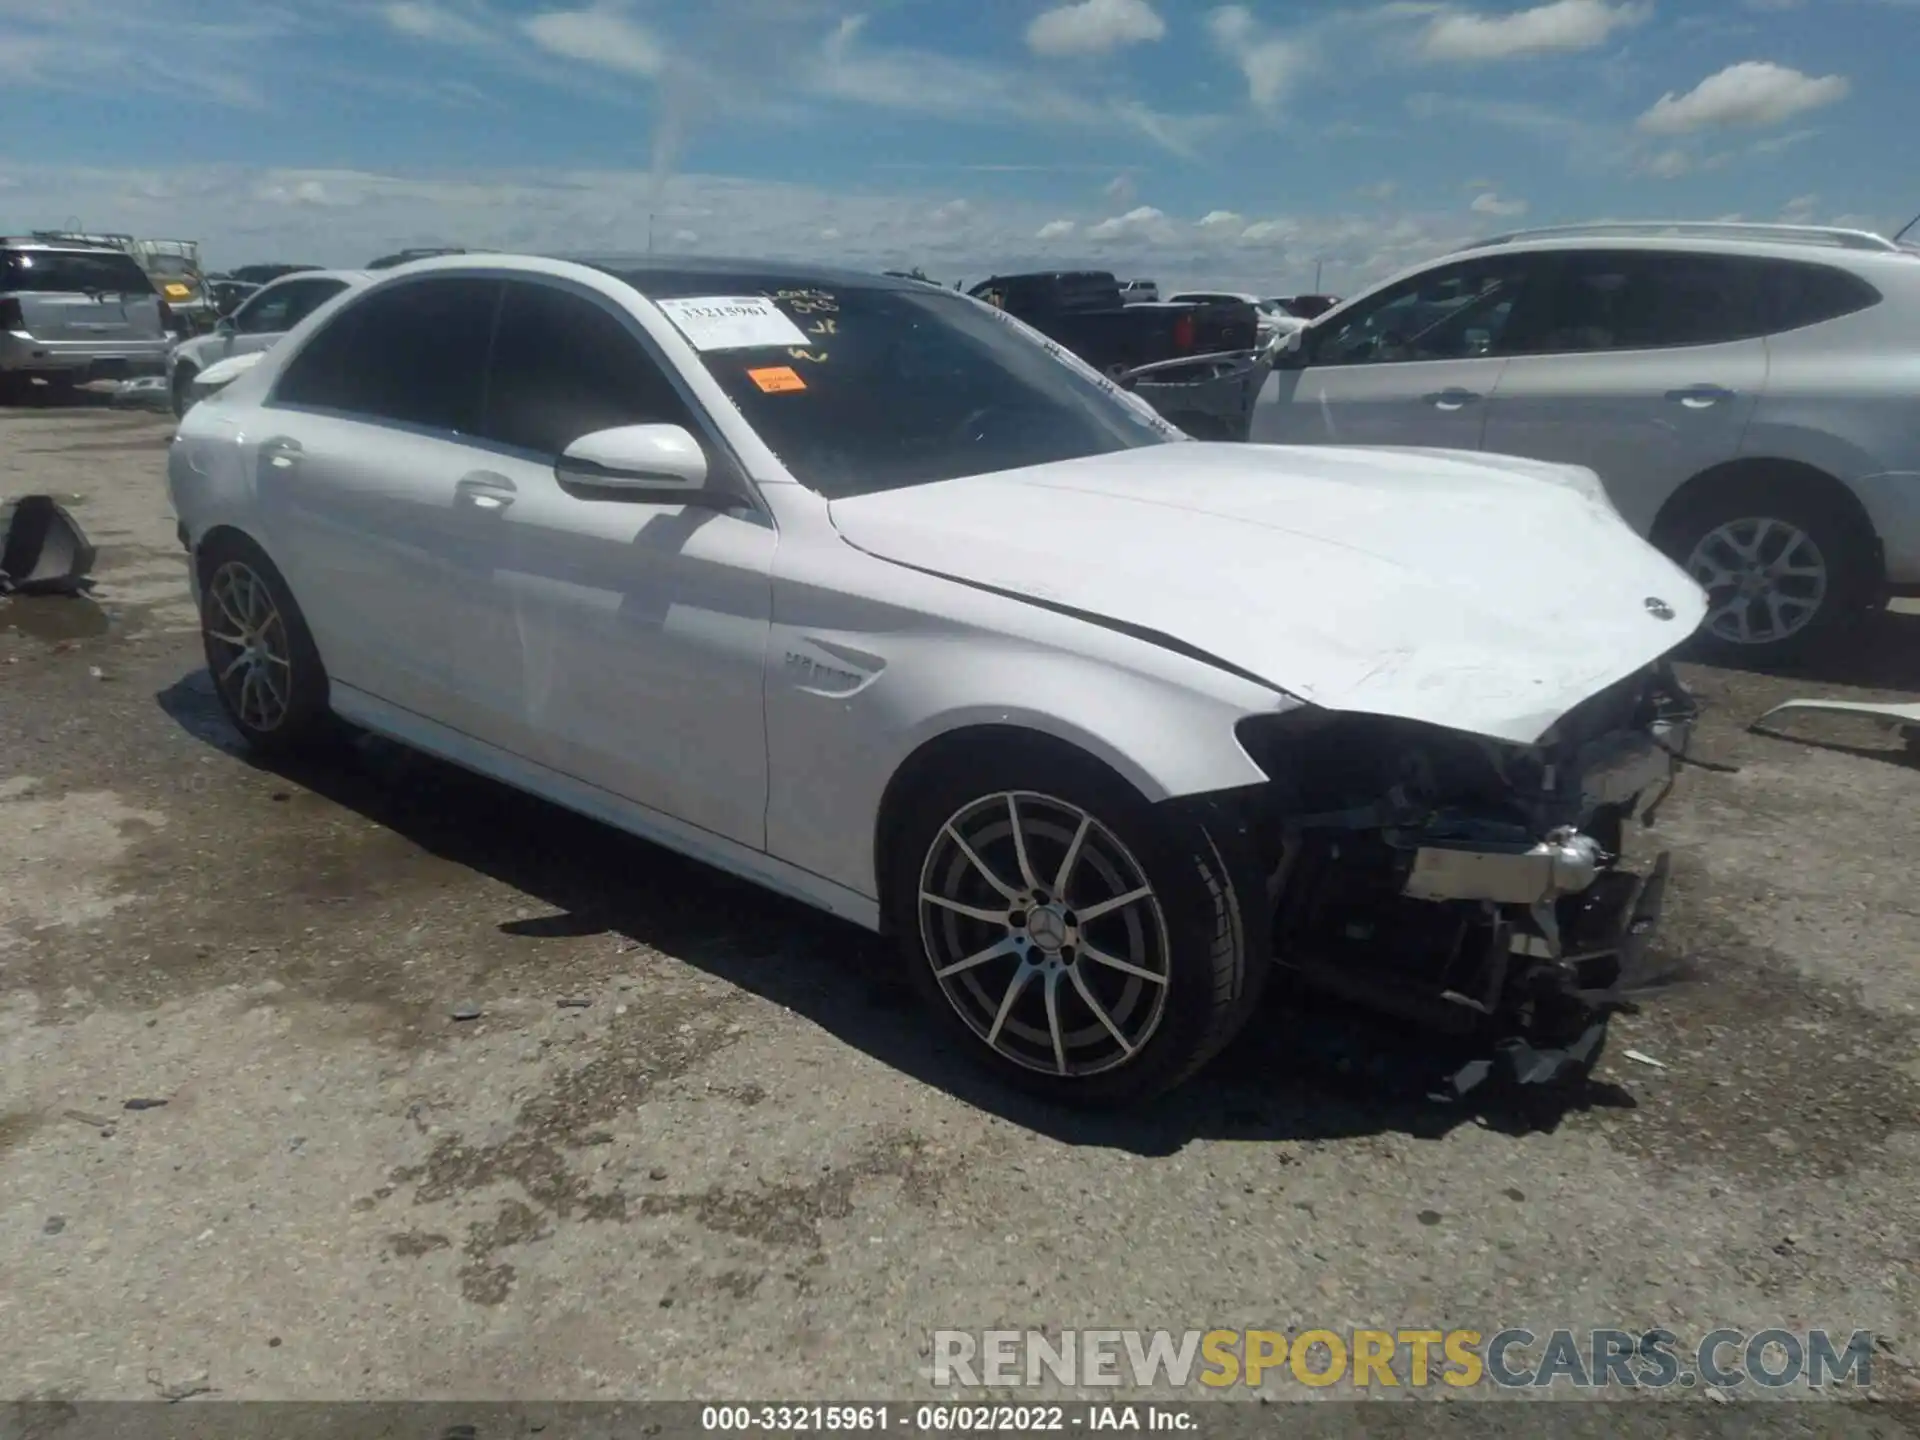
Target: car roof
pixel 348 275
pixel 635 269
pixel 1782 242
pixel 58 247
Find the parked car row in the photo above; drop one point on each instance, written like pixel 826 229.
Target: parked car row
pixel 879 597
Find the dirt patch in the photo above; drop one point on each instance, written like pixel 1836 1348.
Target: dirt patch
pixel 790 1216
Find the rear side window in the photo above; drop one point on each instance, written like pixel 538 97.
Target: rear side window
pixel 1796 293
pixel 1643 300
pixel 564 367
pixel 72 272
pixel 413 355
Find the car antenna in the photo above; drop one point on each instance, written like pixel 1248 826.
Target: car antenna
pixel 1906 227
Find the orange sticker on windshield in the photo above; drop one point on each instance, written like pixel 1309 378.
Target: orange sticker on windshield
pixel 777 378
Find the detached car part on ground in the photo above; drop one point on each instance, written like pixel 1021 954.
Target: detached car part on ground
pixel 868 593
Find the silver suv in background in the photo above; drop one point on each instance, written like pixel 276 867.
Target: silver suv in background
pixel 1749 395
pixel 72 313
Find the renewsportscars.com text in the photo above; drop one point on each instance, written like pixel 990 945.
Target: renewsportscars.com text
pixel 1513 1358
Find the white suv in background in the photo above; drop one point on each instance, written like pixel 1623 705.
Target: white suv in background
pixel 1748 394
pixel 269 313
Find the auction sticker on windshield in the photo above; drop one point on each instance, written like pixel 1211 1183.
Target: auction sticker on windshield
pixel 732 322
pixel 777 379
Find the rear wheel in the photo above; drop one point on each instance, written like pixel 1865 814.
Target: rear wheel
pixel 265 666
pixel 1785 567
pixel 1071 937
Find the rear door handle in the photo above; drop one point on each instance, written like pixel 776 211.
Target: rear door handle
pixel 484 490
pixel 282 452
pixel 1699 397
pixel 1453 398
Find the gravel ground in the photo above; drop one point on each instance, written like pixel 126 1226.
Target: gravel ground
pixel 696 1142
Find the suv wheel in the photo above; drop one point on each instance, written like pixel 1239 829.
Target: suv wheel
pixel 1785 568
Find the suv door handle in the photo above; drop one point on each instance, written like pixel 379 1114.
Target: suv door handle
pixel 1453 398
pixel 282 452
pixel 1699 397
pixel 484 490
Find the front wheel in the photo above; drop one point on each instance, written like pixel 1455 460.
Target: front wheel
pixel 266 669
pixel 1071 937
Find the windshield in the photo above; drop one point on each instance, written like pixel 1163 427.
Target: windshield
pixel 81 272
pixel 898 386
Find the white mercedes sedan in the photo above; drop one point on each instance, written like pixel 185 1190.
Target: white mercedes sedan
pixel 868 593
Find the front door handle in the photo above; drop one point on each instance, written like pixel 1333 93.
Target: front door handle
pixel 484 490
pixel 282 452
pixel 1453 398
pixel 1700 397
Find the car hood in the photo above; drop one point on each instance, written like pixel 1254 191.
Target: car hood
pixel 1482 593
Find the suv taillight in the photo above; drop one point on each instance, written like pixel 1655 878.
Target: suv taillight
pixel 1183 332
pixel 11 317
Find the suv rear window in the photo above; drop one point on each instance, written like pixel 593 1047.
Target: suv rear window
pixel 1795 293
pixel 74 272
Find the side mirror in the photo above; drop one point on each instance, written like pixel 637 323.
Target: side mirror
pixel 1291 353
pixel 224 325
pixel 663 460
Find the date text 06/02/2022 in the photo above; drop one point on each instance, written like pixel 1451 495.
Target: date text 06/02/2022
pixel 941 1418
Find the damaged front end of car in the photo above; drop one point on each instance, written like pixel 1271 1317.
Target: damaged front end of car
pixel 1471 885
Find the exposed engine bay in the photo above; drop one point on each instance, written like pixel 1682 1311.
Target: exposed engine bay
pixel 1473 885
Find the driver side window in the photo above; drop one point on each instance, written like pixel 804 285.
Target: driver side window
pixel 1455 312
pixel 266 313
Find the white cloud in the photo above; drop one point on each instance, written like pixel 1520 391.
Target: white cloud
pixel 1383 191
pixel 1487 202
pixel 1120 190
pixel 1800 209
pixel 950 211
pixel 1271 63
pixel 1094 27
pixel 971 91
pixel 1222 221
pixel 1055 230
pixel 1669 165
pixel 432 22
pixel 1142 220
pixel 1752 93
pixel 597 37
pixel 1560 27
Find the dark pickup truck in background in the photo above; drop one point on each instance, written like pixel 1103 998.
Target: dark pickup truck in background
pixel 1083 310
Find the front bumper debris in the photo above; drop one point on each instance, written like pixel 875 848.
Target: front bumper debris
pixel 1481 890
pixel 1564 863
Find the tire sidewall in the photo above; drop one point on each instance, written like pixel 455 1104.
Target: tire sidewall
pixel 1174 857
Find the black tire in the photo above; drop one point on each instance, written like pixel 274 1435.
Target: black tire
pixel 1844 548
pixel 291 715
pixel 182 389
pixel 1212 978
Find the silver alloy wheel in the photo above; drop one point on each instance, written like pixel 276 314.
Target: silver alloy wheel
pixel 1044 934
pixel 1760 567
pixel 252 663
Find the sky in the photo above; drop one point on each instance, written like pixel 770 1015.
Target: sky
pixel 1247 146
